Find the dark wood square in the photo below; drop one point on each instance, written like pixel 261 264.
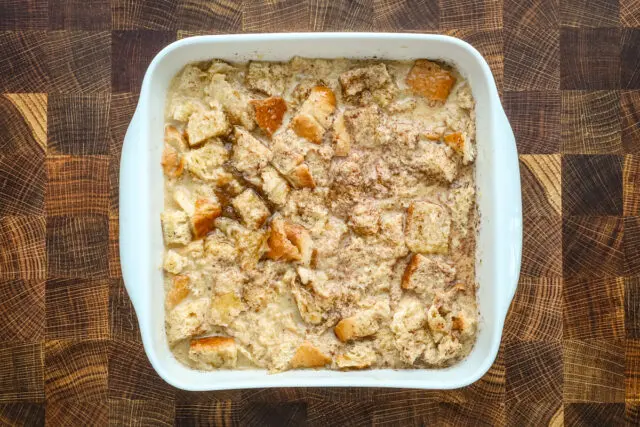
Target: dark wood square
pixel 141 412
pixel 23 15
pixel 535 120
pixel 123 322
pixel 631 241
pixel 632 307
pixel 23 119
pixel 595 414
pixel 531 59
pixel 24 66
pixel 540 178
pixel 27 414
pixel 592 184
pixel 399 15
pixel 535 370
pixel 21 372
pixel 339 14
pixel 470 414
pixel 77 185
pixel 589 13
pixel 144 14
pixel 632 369
pixel 631 185
pixel 272 16
pixel 23 252
pixel 590 122
pixel 536 13
pixel 490 44
pixel 632 413
pixel 592 246
pixel 79 15
pixel 77 246
pixel 23 314
pixel 629 59
pixel 593 308
pixel 78 309
pixel 593 371
pixel 630 117
pixel 114 247
pixel 223 16
pixel 78 124
pixel 590 58
pixel 79 61
pixel 471 14
pixel 131 375
pixel 630 13
pixel 76 370
pixel 542 246
pixel 77 412
pixel 132 51
pixel 536 311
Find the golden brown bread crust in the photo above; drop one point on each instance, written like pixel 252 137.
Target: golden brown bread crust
pixel 301 177
pixel 309 356
pixel 211 342
pixel 289 242
pixel 409 270
pixel 305 126
pixel 455 140
pixel 172 162
pixel 345 329
pixel 204 216
pixel 430 80
pixel 178 292
pixel 269 113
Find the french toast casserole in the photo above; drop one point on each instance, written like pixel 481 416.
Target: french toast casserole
pixel 319 213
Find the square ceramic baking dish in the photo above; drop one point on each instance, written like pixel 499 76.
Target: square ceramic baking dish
pixel 498 195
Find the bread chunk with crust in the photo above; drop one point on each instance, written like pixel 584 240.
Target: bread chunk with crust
pixel 213 352
pixel 309 356
pixel 251 209
pixel 430 80
pixel 269 113
pixel 175 227
pixel 427 229
pixel 359 356
pixel 267 77
pixel 428 275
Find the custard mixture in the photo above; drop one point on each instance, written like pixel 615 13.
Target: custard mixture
pixel 319 214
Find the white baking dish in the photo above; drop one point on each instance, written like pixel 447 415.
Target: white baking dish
pixel 498 185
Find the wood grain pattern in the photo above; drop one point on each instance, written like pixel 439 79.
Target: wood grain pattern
pixel 536 312
pixel 76 370
pixel 541 177
pixel 590 122
pixel 568 72
pixel 26 297
pixel 341 14
pixel 589 58
pixel 78 309
pixel 531 59
pixel 593 308
pixel 593 371
pixel 630 121
pixel 535 120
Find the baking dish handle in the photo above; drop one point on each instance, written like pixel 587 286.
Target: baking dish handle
pixel 133 180
pixel 510 215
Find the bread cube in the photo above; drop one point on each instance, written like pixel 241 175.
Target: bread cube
pixel 428 275
pixel 307 127
pixel 274 186
pixel 288 151
pixel 250 244
pixel 225 308
pixel 361 124
pixel 175 138
pixel 174 263
pixel 250 156
pixel 300 177
pixel 427 229
pixel 309 356
pixel 172 162
pixel 202 221
pixel 220 248
pixel 360 356
pixel 311 311
pixel 364 219
pixel 187 319
pixel 269 113
pixel 206 161
pixel 362 324
pixel 206 124
pixel 461 144
pixel 289 242
pixel 358 80
pixel 214 352
pixel 251 209
pixel 320 105
pixel 233 99
pixel 341 137
pixel 192 80
pixel 410 315
pixel 178 292
pixel 435 160
pixel 175 227
pixel 430 80
pixel 267 77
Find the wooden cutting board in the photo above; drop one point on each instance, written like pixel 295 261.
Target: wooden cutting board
pixel 569 76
